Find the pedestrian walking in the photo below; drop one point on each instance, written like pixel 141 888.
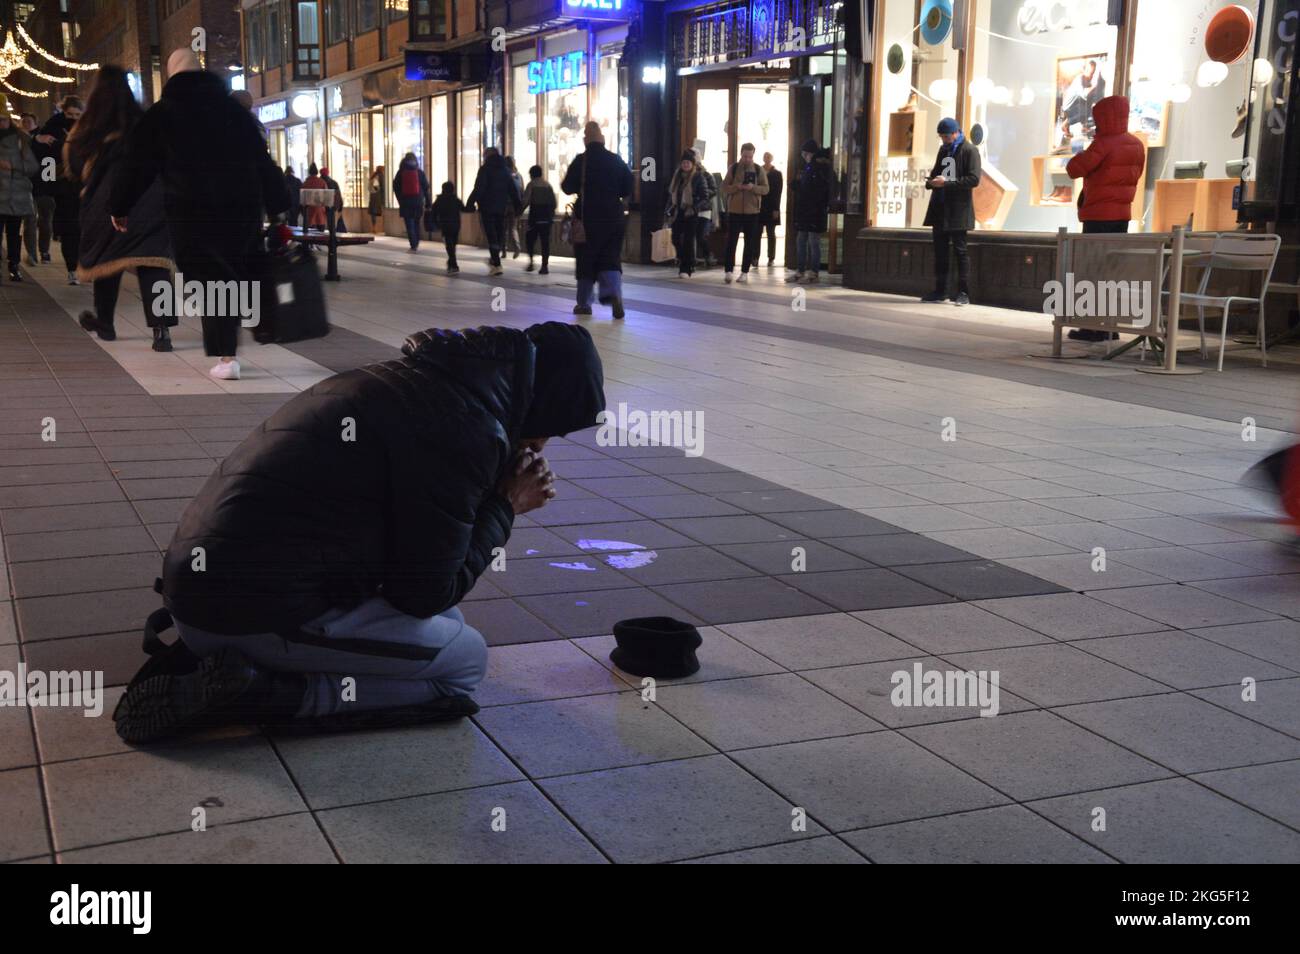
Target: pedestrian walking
pixel 376 199
pixel 411 188
pixel 17 166
pixel 62 192
pixel 744 188
pixel 512 218
pixel 315 213
pixel 812 203
pixel 601 180
pixel 493 197
pixel 951 213
pixel 540 201
pixel 47 144
pixel 711 218
pixel 769 213
pixel 218 179
pixel 688 199
pixel 31 224
pixel 332 183
pixel 95 153
pixel 294 185
pixel 446 212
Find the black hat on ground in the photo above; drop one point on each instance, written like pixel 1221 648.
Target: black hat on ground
pixel 657 646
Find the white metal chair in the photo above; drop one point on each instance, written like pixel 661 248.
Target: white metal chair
pixel 1235 252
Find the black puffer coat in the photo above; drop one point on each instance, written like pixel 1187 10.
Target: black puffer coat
pixel 299 519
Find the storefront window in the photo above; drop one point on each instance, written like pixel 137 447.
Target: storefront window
pixel 275 145
pixel 295 139
pixel 1191 112
pixel 439 170
pixel 471 137
pixel 377 152
pixel 367 15
pixel 564 110
pixel 254 34
pixel 609 106
pixel 274 39
pixel 405 134
pixel 523 113
pixel 346 161
pixel 336 20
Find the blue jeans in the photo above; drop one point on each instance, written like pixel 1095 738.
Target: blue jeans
pixel 379 682
pixel 611 286
pixel 808 251
pixel 412 231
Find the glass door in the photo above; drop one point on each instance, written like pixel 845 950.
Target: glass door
pixel 763 118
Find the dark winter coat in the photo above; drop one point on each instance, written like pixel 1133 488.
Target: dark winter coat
pixel 771 208
pixel 540 201
pixel 298 520
pixel 446 212
pixel 103 250
pixel 952 208
pixel 411 206
pixel 812 195
pixel 16 181
pixel 57 126
pixel 495 192
pixel 1111 167
pixel 689 198
pixel 294 185
pixel 608 182
pixel 216 173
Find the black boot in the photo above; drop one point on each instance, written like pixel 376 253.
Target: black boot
pixel 14 274
pixel 162 339
pixel 177 692
pixel 438 710
pixel 88 321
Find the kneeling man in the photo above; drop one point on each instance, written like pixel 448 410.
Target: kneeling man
pixel 314 578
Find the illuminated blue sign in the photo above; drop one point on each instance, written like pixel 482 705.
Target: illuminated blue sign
pixel 601 9
pixel 558 72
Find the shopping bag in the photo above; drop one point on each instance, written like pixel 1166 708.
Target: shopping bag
pixel 661 245
pixel 293 298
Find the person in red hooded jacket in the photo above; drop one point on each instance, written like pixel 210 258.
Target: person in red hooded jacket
pixel 1111 168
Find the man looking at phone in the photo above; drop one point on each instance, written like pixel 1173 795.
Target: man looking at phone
pixel 315 577
pixel 744 188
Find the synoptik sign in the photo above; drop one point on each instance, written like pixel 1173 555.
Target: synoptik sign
pixel 601 9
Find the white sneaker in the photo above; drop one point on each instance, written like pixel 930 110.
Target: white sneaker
pixel 810 278
pixel 226 370
pixel 72 279
pixel 683 275
pixel 496 270
pixel 728 278
pixel 794 279
pixel 744 277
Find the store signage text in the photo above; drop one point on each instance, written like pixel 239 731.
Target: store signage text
pixel 437 67
pixel 273 112
pixel 1053 16
pixel 602 9
pixel 557 72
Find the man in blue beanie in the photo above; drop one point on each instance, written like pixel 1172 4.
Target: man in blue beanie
pixel 951 213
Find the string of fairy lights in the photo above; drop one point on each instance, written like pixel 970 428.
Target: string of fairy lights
pixel 13 57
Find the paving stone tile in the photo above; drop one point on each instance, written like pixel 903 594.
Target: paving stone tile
pixel 589 733
pixel 137 794
pixel 865 589
pixel 829 524
pixel 674 810
pixel 1276 641
pixel 53 495
pixel 8 625
pixel 1070 616
pixel 593 612
pixel 1183 532
pixel 1276 703
pixel 730 601
pixel 773 501
pixel 680 506
pixel 1269 789
pixel 23 834
pixel 63 544
pixel 530 672
pixel 1181 564
pixel 1085 535
pixel 1034 754
pixel 1053 674
pixel 826 850
pixel 616 488
pixel 1076 571
pixel 538 542
pixel 746 528
pixel 900 549
pixel 1275 594
pixel 16 746
pixel 724 482
pixel 998 543
pixel 85 574
pixel 342 769
pixel 721 656
pixel 977 579
pixel 927 519
pixel 596 538
pixel 85 614
pixel 1260 554
pixel 1008 834
pixel 46 474
pixel 686 565
pixel 456 828
pixel 117 655
pixel 162 511
pixel 1181 660
pixel 953 627
pixel 812 642
pixel 1184 733
pixel 504 622
pixel 533 576
pixel 592 510
pixel 1173 820
pixel 778 556
pixel 286 839
pixel 866 780
pixel 1182 607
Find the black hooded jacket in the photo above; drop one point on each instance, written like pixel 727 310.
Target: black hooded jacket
pixel 378 481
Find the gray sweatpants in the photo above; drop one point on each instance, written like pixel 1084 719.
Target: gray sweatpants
pixel 341 678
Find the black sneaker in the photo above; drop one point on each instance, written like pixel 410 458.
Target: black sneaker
pixel 15 275
pixel 961 298
pixel 582 309
pixel 45 258
pixel 934 296
pixel 438 710
pixel 162 340
pixel 543 271
pixel 616 303
pixel 183 695
pixel 88 321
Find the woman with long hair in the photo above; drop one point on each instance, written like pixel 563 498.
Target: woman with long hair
pixel 92 156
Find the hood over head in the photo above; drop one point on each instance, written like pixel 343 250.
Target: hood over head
pixel 568 381
pixel 1111 115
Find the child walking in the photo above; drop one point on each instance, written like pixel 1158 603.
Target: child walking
pixel 539 199
pixel 446 212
